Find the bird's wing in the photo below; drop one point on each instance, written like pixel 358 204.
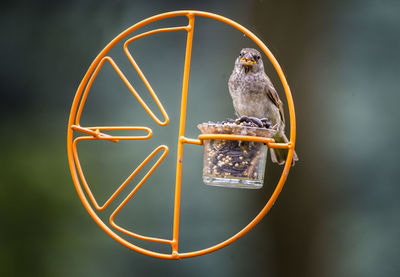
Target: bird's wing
pixel 273 95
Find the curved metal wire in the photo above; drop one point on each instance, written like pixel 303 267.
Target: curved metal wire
pixel 97 133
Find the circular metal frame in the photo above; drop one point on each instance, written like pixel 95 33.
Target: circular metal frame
pixel 97 133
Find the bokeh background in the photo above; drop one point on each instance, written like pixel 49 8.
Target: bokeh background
pixel 338 214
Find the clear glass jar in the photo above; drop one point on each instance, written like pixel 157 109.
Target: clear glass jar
pixel 232 163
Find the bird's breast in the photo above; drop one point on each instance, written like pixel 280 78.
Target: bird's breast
pixel 250 98
pixel 252 104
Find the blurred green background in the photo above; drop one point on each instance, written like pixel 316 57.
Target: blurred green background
pixel 338 214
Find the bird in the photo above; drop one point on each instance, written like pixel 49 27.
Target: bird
pixel 255 99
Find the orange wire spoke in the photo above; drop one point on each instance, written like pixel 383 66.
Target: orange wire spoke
pixel 137 187
pixel 97 133
pixel 130 87
pixel 139 71
pixel 123 185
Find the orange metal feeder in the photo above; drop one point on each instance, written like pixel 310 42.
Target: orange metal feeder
pixel 97 133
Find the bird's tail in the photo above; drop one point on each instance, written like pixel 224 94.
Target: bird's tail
pixel 279 155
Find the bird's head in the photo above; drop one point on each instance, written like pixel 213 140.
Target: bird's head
pixel 249 60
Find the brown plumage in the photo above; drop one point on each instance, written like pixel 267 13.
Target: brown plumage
pixel 254 95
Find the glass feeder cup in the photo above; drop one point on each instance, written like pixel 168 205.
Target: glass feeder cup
pixel 234 163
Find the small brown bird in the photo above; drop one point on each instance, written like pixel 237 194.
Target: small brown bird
pixel 255 98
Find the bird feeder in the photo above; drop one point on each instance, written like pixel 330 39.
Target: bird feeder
pixel 211 139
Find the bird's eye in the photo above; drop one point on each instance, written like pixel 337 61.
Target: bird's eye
pixel 241 54
pixel 257 57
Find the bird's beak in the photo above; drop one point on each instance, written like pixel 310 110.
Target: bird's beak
pixel 247 61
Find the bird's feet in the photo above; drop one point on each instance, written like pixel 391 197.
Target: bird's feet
pixel 262 122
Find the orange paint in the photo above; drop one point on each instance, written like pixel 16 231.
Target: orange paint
pixel 97 133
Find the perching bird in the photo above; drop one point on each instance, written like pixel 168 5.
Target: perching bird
pixel 255 98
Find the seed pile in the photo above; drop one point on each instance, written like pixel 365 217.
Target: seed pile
pixel 232 158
